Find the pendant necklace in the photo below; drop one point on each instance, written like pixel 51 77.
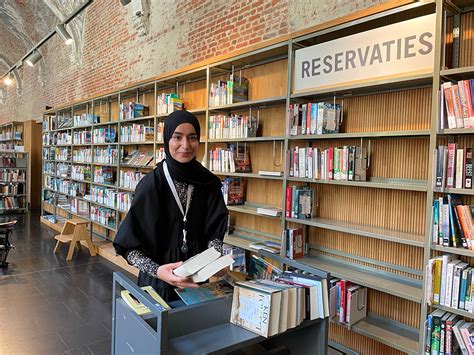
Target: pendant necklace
pixel 184 245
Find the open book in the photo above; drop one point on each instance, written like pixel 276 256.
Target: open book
pixel 203 265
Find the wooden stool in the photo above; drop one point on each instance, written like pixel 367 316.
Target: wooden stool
pixel 74 230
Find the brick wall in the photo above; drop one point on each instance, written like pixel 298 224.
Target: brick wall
pixel 181 33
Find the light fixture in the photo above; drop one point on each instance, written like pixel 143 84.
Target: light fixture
pixel 33 58
pixel 64 34
pixel 8 79
pixel 19 64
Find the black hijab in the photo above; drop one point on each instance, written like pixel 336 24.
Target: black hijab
pixel 193 172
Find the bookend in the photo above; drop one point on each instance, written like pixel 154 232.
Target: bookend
pixel 210 331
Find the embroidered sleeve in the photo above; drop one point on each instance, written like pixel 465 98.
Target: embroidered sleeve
pixel 142 262
pixel 217 244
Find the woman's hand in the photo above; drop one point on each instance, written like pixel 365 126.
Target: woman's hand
pixel 165 273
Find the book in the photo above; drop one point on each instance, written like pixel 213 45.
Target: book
pixel 256 307
pixel 203 265
pixel 205 292
pixel 139 307
pixel 269 211
pixel 270 173
pixel 261 269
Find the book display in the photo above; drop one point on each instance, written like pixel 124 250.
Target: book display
pixel 14 172
pixel 368 177
pixel 448 285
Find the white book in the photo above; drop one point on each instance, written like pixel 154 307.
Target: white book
pixel 270 173
pixel 446 259
pixel 269 211
pixel 449 282
pixel 459 168
pixel 197 262
pixel 302 162
pixel 429 282
pixel 210 269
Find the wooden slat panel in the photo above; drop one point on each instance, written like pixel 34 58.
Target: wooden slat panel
pixel 267 80
pixel 194 94
pixel 466 56
pixel 403 110
pixel 395 308
pixel 358 342
pixel 394 253
pixel 262 224
pixel 266 192
pixel 402 211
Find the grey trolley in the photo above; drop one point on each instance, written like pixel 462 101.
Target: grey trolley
pixel 202 328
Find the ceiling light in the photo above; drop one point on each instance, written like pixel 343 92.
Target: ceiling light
pixel 8 79
pixel 33 58
pixel 61 31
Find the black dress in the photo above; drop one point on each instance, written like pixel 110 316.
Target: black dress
pixel 154 225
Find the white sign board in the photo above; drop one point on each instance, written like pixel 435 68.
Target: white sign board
pixel 404 47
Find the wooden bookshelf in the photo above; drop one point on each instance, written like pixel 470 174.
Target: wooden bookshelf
pixel 382 220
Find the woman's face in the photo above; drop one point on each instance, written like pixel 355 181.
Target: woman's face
pixel 184 143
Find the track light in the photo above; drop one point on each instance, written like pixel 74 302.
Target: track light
pixel 8 79
pixel 33 58
pixel 64 34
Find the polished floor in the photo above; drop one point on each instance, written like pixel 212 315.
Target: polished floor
pixel 49 305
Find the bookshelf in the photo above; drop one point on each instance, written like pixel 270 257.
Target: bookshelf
pixel 374 233
pixel 454 63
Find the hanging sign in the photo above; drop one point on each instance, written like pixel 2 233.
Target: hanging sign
pixel 403 48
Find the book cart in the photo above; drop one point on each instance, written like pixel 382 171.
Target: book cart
pixel 203 328
pixel 374 233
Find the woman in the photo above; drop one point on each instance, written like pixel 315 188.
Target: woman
pixel 157 234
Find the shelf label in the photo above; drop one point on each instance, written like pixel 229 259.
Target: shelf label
pixel 402 49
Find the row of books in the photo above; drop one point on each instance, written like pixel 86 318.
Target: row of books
pixel 458 101
pixel 236 89
pixel 63 138
pixel 12 147
pixel 63 121
pixel 267 245
pixel 83 155
pixel 124 201
pixel 453 166
pixel 168 102
pixel 450 283
pixel 160 155
pixel 296 247
pixel 236 158
pixel 315 118
pixel 130 179
pixel 137 133
pixel 130 110
pixel 49 168
pixel 445 333
pixel 452 223
pixel 138 157
pixel 232 126
pixel 299 202
pixel 104 175
pixel 103 215
pixel 347 163
pixel 102 135
pixel 106 155
pixel 62 154
pixel 62 169
pixel 11 135
pixel 12 175
pixel 81 172
pixel 81 137
pixel 11 203
pixel 12 189
pixel 11 162
pixel 268 307
pixel 103 195
pixel 85 119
